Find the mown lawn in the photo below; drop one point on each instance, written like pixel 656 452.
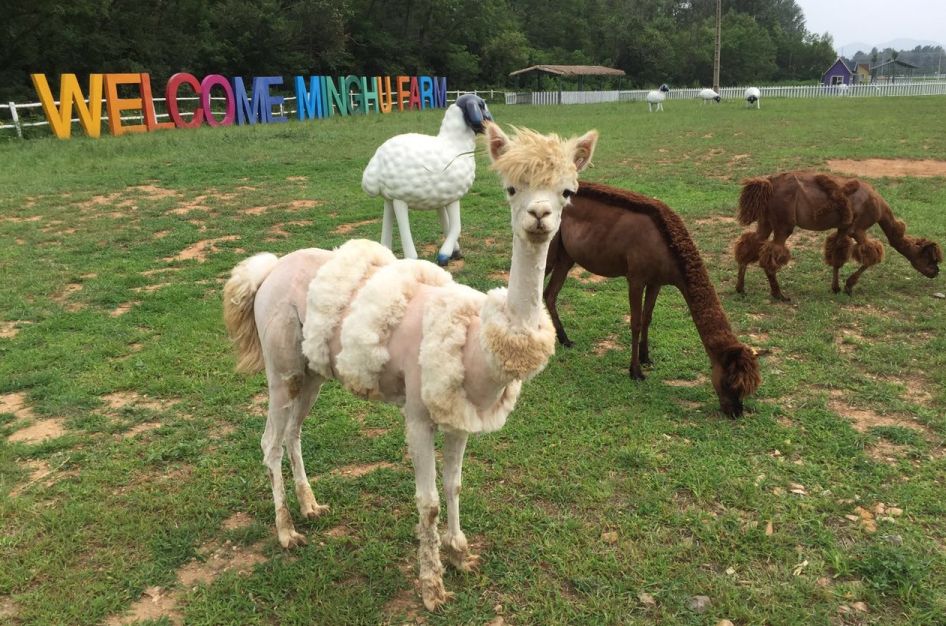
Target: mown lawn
pixel 603 501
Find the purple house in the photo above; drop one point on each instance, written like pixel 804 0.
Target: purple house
pixel 838 74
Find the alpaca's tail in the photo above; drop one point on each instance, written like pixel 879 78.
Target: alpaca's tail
pixel 755 197
pixel 239 295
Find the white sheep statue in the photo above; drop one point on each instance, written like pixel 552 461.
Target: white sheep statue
pixel 428 173
pixel 657 97
pixel 401 331
pixel 708 94
pixel 753 97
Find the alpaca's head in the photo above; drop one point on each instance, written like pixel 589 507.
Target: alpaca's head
pixel 735 376
pixel 925 256
pixel 540 175
pixel 475 111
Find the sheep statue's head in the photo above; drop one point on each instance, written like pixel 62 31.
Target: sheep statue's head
pixel 664 88
pixel 474 112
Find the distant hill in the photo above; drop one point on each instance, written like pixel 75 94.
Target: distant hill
pixel 849 49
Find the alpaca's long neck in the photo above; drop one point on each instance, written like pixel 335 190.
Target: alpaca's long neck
pixel 524 303
pixel 705 308
pixel 895 230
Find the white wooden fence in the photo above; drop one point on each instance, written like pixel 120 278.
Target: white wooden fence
pixel 732 93
pixel 18 122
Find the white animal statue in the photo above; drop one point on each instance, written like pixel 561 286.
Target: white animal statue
pixel 753 97
pixel 401 331
pixel 708 94
pixel 657 97
pixel 428 173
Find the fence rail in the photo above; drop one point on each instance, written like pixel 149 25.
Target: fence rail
pixel 18 122
pixel 732 93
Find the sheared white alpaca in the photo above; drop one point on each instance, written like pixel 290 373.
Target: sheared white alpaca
pixel 428 173
pixel 657 97
pixel 403 332
pixel 753 97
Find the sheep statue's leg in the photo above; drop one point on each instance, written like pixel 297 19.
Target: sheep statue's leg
pixel 650 299
pixel 404 228
pixel 387 225
pixel 307 395
pixel 454 541
pixel 420 444
pixel 450 220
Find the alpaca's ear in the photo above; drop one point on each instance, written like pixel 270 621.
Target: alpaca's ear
pixel 583 148
pixel 497 139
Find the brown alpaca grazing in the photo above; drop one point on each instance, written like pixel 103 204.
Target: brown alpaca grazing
pixel 782 202
pixel 613 232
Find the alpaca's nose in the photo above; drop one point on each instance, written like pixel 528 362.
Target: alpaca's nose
pixel 540 212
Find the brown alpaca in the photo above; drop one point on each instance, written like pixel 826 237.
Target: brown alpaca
pixel 782 202
pixel 612 232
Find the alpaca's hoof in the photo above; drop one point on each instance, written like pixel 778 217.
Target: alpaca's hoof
pixel 442 259
pixel 565 341
pixel 849 290
pixel 314 510
pixel 433 594
pixel 289 538
pixel 781 297
pixel 836 288
pixel 637 375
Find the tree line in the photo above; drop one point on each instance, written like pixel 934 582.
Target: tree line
pixel 475 43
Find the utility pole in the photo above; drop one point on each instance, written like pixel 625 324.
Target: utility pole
pixel 719 13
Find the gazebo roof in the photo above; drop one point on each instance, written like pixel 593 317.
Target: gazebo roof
pixel 572 70
pixel 895 62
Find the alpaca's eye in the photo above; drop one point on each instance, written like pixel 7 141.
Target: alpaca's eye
pixel 568 193
pixel 511 191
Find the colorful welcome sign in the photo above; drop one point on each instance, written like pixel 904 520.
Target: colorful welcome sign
pixel 317 97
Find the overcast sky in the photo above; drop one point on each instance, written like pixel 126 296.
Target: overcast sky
pixel 876 21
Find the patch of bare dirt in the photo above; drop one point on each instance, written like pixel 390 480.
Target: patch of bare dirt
pixel 679 382
pixel 137 429
pixel 153 192
pixel 606 345
pixel 302 205
pixel 888 452
pixel 62 297
pixel 237 521
pixel 847 340
pixel 8 609
pixel 121 399
pixel 689 405
pixel 502 277
pixel 297 179
pixel 38 471
pixel 200 250
pixel 122 308
pixel 218 559
pixel 21 220
pixel 893 168
pixel 15 403
pixel 39 431
pixel 339 531
pixel 584 276
pixel 372 433
pixel 151 288
pixel 161 234
pixel 864 419
pixel 155 603
pixel 344 229
pixel 357 470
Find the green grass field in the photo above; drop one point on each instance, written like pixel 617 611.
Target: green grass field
pixel 603 501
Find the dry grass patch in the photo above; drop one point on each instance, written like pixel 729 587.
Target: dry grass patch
pixel 40 431
pixel 39 470
pixel 864 419
pixel 717 220
pixel 123 308
pixel 679 382
pixel 606 345
pixel 121 399
pixel 584 276
pixel 15 403
pixel 237 521
pixel 61 298
pixel 887 452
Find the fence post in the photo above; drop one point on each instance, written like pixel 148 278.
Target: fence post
pixel 16 120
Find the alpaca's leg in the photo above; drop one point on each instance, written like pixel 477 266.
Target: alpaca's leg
pixel 746 250
pixel 559 266
pixel 302 405
pixel 387 225
pixel 451 246
pixel 650 298
pixel 867 252
pixel 420 444
pixel 454 541
pixel 837 250
pixel 404 228
pixel 773 256
pixel 277 422
pixel 635 295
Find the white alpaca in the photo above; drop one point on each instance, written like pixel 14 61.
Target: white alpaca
pixel 708 94
pixel 428 173
pixel 403 332
pixel 753 96
pixel 657 97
